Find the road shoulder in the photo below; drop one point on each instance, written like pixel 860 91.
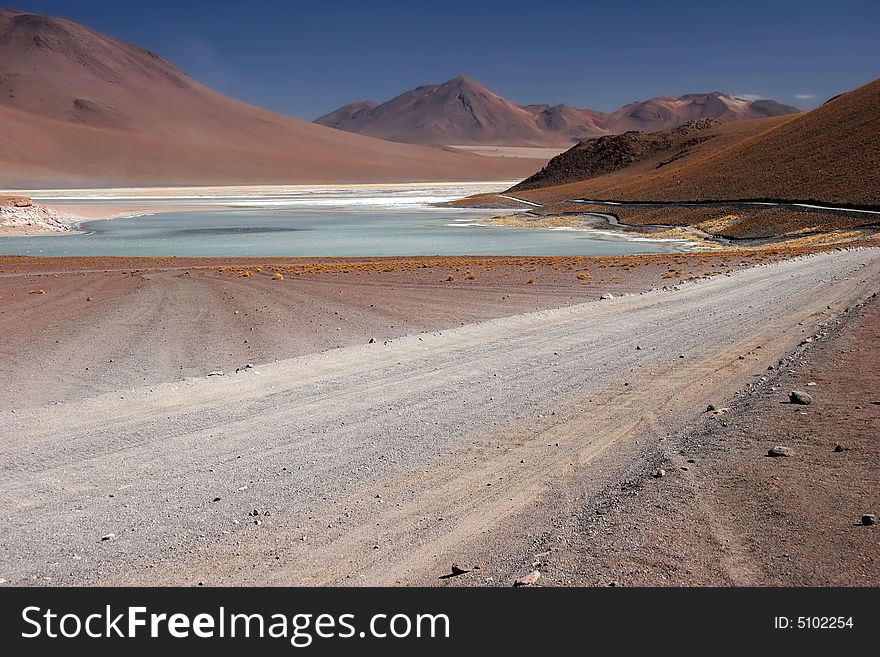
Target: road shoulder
pixel 726 513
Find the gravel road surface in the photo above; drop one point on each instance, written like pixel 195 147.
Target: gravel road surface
pixel 382 463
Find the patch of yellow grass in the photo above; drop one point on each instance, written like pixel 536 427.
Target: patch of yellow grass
pixel 717 224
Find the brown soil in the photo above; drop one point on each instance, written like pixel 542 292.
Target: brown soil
pixel 727 513
pixel 179 317
pixel 571 492
pixel 736 221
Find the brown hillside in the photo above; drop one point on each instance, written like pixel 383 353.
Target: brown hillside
pixel 611 153
pixel 590 171
pixel 81 108
pixel 831 154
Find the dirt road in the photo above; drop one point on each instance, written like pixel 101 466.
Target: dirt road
pixel 384 462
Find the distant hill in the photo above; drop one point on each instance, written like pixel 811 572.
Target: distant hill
pixel 460 111
pixel 830 154
pixel 82 108
pixel 463 111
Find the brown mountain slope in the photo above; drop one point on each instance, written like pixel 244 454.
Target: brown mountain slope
pixel 82 108
pixel 664 113
pixel 349 112
pixel 830 154
pixel 462 111
pixel 604 155
pixel 596 167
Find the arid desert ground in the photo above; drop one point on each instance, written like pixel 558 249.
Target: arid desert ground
pixel 372 422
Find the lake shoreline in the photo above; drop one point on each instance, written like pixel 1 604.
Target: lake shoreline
pixel 366 220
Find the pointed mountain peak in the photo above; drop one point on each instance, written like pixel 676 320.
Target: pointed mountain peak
pixel 464 83
pixel 462 79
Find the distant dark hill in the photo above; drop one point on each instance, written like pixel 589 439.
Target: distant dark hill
pixel 603 155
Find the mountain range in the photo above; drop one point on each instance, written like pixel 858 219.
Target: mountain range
pixel 462 111
pixel 81 108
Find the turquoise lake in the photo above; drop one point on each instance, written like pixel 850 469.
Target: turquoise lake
pixel 365 221
pixel 302 233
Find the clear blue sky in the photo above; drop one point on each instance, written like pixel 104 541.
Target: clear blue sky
pixel 306 58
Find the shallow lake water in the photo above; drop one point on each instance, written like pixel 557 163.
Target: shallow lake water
pixel 389 222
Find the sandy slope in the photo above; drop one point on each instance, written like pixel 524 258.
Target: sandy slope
pixel 384 462
pixel 82 108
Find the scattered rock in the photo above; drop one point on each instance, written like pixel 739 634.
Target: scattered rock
pixel 710 408
pixel 216 373
pixel 779 450
pixel 89 299
pixel 869 519
pixel 277 276
pixel 372 340
pixel 459 570
pixel 606 297
pixel 659 474
pixel 216 499
pixel 529 580
pixel 840 448
pixel 108 537
pixel 798 397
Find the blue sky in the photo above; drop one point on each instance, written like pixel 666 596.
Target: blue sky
pixel 305 59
